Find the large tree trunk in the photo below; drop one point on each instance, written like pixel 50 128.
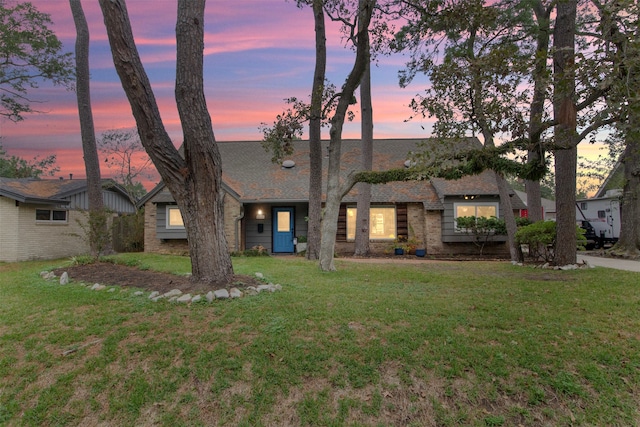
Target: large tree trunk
pixel 362 247
pixel 195 180
pixel 334 190
pixel 315 135
pixel 203 184
pixel 99 239
pixel 629 243
pixel 564 110
pixel 536 151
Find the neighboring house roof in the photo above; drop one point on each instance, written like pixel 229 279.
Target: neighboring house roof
pixel 614 181
pixel 48 191
pixel 547 204
pixel 247 170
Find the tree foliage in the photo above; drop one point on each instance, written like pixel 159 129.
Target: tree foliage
pixel 17 167
pixel 288 126
pixel 30 53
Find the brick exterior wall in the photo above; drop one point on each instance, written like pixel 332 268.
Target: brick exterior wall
pixel 23 239
pixel 9 235
pixel 433 232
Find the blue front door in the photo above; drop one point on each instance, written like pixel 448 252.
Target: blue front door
pixel 283 230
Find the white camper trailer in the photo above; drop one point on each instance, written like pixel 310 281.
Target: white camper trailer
pixel 603 213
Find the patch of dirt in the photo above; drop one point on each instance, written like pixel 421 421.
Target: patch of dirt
pixel 122 275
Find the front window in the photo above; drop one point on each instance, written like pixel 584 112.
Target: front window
pixel 50 215
pixel 382 223
pixel 478 210
pixel 174 217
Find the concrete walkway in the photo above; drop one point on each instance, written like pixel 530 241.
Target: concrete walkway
pixel 618 264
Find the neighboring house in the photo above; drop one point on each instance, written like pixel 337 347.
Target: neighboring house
pixel 603 210
pixel 267 204
pixel 548 207
pixel 40 217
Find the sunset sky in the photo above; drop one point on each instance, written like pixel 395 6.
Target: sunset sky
pixel 257 52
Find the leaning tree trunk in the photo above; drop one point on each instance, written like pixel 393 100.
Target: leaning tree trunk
pixel 564 110
pixel 363 207
pixel 334 190
pixel 315 136
pixel 195 180
pixel 99 239
pixel 489 141
pixel 509 217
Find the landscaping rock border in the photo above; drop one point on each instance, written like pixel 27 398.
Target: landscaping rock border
pixel 546 266
pixel 176 295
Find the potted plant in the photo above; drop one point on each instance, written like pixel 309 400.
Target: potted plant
pixel 301 244
pixel 400 245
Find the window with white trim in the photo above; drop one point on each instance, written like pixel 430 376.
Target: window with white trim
pixel 477 209
pixel 174 217
pixel 382 223
pixel 51 215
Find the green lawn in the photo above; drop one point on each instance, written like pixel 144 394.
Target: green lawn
pixel 437 343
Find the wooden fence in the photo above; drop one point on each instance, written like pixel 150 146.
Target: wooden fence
pixel 128 233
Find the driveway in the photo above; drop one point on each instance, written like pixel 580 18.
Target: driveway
pixel 618 264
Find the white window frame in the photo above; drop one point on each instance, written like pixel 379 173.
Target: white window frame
pixel 476 204
pixel 168 224
pixel 375 239
pixel 51 219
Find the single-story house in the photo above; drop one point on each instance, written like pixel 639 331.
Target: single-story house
pixel 266 204
pixel 40 217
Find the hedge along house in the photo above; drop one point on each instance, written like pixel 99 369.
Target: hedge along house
pixel 266 204
pixel 40 218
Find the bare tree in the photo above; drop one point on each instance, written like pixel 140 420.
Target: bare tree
pixel 195 180
pixel 125 153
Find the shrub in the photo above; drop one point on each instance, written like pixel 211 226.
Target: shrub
pixel 482 228
pixel 253 252
pixel 540 237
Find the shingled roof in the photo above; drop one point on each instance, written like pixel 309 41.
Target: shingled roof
pixel 46 191
pixel 248 171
